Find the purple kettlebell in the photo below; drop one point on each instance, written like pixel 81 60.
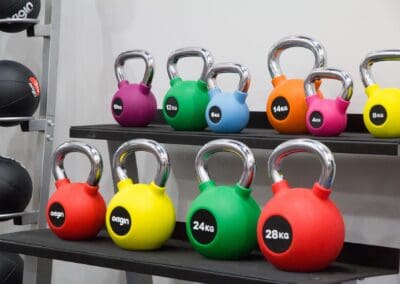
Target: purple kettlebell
pixel 134 105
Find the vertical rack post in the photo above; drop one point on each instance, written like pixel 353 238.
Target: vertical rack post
pixel 38 270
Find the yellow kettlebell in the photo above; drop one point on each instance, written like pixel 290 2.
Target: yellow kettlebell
pixel 140 216
pixel 382 109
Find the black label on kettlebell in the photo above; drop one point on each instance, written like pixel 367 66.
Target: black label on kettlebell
pixel 171 107
pixel 316 119
pixel 120 221
pixel 215 114
pixel 56 214
pixel 117 106
pixel 203 226
pixel 277 234
pixel 377 115
pixel 280 108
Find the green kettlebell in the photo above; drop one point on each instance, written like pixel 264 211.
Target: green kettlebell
pixel 186 101
pixel 221 222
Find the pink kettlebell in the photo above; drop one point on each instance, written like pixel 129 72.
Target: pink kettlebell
pixel 327 117
pixel 134 104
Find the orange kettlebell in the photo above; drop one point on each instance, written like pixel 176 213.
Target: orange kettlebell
pixel 286 105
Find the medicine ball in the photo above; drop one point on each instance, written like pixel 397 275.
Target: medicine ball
pixel 18 9
pixel 19 91
pixel 11 268
pixel 15 186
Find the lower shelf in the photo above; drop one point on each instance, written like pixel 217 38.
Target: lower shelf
pixel 178 260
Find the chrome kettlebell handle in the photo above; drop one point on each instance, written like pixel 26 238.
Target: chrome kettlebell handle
pixel 146 145
pixel 226 145
pixel 204 54
pixel 373 57
pixel 303 145
pixel 346 91
pixel 137 53
pixel 91 152
pixel 242 71
pixel 274 53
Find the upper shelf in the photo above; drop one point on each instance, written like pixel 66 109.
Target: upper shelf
pixel 177 260
pixel 259 135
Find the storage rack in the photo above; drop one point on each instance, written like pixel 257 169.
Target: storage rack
pixel 38 270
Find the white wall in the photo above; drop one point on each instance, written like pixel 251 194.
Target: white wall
pixel 94 32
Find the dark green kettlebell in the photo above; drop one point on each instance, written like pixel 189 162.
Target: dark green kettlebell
pixel 221 222
pixel 186 101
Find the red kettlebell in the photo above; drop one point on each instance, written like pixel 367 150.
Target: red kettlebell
pixel 76 211
pixel 301 229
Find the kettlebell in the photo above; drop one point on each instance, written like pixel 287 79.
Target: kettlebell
pixel 221 222
pixel 134 105
pixel 301 229
pixel 18 9
pixel 327 117
pixel 227 111
pixel 382 110
pixel 286 104
pixel 76 210
pixel 185 103
pixel 140 216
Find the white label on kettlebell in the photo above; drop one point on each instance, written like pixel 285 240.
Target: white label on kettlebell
pixel 316 119
pixel 277 234
pixel 377 115
pixel 120 221
pixel 215 114
pixel 117 106
pixel 24 11
pixel 280 108
pixel 56 214
pixel 203 226
pixel 171 107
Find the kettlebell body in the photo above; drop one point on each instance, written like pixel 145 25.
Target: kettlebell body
pixel 327 117
pixel 21 9
pixel 221 222
pixel 227 112
pixel 286 105
pixel 382 110
pixel 76 210
pixel 221 218
pixel 140 216
pixel 185 102
pixel 301 229
pixel 134 105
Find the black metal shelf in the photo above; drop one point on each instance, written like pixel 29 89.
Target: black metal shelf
pixel 177 260
pixel 258 135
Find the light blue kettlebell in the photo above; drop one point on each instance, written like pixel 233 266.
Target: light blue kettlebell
pixel 227 112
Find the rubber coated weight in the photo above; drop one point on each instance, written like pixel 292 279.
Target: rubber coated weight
pixel 382 110
pixel 227 111
pixel 185 102
pixel 134 104
pixel 19 91
pixel 140 216
pixel 18 9
pixel 15 186
pixel 76 210
pixel 301 229
pixel 286 105
pixel 327 117
pixel 221 222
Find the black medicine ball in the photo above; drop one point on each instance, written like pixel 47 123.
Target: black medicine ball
pixel 11 268
pixel 18 9
pixel 19 91
pixel 15 186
